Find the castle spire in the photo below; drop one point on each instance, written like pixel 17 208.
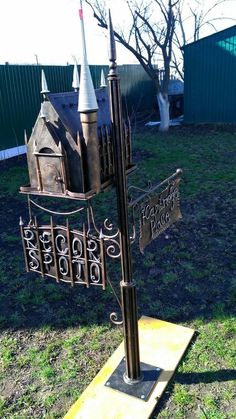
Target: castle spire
pixel 87 97
pixel 103 80
pixel 88 108
pixel 75 82
pixel 44 85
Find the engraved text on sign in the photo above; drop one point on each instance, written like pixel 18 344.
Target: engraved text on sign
pixel 159 213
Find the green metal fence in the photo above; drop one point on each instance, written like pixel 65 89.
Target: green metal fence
pixel 209 79
pixel 20 97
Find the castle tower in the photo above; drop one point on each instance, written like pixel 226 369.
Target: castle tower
pixel 88 107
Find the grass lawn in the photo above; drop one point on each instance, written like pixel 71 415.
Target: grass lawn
pixel 54 338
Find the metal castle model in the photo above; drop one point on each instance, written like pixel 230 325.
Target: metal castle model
pixel 70 151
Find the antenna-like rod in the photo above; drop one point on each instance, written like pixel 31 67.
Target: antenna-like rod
pixel 82 32
pixel 111 43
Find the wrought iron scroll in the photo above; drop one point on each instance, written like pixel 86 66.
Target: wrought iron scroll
pixel 108 233
pixel 65 254
pixel 68 255
pixel 111 238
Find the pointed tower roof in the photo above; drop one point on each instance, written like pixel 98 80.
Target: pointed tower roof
pixel 103 80
pixel 44 85
pixel 87 97
pixel 75 82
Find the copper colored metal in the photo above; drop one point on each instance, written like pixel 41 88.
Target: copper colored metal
pixel 158 213
pixel 89 126
pixel 128 289
pixel 68 255
pixel 70 154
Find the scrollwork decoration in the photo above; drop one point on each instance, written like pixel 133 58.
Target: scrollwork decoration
pixel 93 250
pixel 112 248
pixel 28 237
pixel 45 239
pixel 63 265
pixel 114 319
pixel 77 247
pixel 95 273
pixel 34 263
pixel 48 259
pixel 112 241
pixel 60 239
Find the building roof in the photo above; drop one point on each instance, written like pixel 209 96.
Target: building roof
pixel 66 106
pixel 218 35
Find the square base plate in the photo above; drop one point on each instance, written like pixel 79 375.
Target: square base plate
pixel 161 343
pixel 143 389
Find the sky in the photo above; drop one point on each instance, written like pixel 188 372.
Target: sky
pixel 48 31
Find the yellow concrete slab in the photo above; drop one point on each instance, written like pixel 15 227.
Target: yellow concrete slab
pixel 161 344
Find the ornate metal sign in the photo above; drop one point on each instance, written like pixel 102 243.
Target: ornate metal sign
pixel 68 255
pixel 157 214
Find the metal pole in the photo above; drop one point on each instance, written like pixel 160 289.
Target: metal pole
pixel 128 289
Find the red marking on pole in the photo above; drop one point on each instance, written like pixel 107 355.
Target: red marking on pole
pixel 81 14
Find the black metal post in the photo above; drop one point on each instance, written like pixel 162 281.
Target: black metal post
pixel 128 289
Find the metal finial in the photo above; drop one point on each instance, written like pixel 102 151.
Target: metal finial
pixel 75 82
pixel 111 40
pixel 21 222
pixel 87 98
pixel 101 235
pixel 44 85
pixel 103 80
pixel 25 137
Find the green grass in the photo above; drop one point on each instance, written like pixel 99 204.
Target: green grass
pixel 54 338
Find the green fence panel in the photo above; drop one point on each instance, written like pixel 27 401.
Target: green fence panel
pixel 210 82
pixel 20 97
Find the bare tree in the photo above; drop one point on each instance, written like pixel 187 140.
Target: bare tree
pixel 192 19
pixel 149 40
pixel 157 31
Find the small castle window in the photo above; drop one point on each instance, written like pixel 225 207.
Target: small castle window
pixel 46 150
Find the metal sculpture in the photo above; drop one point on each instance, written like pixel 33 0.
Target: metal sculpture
pixel 77 157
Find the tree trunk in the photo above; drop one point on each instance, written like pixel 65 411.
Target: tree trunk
pixel 163 103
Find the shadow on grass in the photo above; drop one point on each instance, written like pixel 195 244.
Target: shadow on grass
pixel 205 377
